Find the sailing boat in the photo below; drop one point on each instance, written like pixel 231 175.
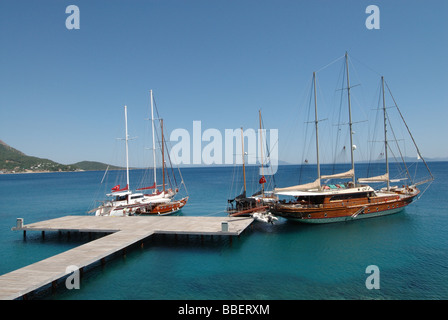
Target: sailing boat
pixel 157 204
pixel 256 205
pixel 160 202
pixel 242 205
pixel 156 194
pixel 125 202
pixel 316 203
pixel 265 196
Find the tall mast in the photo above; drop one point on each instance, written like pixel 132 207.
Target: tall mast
pixel 153 140
pixel 385 135
pixel 127 150
pixel 261 153
pixel 163 157
pixel 350 120
pixel 316 121
pixel 244 167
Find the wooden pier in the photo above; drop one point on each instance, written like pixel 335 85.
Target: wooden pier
pixel 125 231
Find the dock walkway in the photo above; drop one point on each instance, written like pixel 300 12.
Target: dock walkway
pixel 126 231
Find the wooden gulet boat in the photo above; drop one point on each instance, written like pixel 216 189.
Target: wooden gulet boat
pixel 160 207
pixel 256 205
pixel 242 205
pixel 315 203
pixel 345 204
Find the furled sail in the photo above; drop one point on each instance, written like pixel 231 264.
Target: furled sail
pixel 300 187
pixel 348 174
pixel 150 187
pixel 381 178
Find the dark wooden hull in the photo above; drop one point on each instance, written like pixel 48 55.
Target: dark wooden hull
pixel 345 210
pixel 163 208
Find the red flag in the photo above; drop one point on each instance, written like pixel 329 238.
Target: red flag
pixel 262 180
pixel 117 188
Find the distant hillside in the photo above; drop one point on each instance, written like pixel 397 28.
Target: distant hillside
pixel 94 166
pixel 15 161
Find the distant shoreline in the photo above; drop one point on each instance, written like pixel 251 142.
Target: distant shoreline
pixel 183 167
pixel 32 172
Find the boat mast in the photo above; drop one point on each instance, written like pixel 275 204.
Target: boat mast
pixel 163 157
pixel 350 120
pixel 127 150
pixel 261 154
pixel 153 141
pixel 385 135
pixel 244 167
pixel 316 121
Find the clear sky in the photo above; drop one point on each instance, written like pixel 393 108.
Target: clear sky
pixel 62 91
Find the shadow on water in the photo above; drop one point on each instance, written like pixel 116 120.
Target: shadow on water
pixel 148 262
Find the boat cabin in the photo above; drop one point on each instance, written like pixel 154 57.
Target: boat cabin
pixel 125 196
pixel 331 195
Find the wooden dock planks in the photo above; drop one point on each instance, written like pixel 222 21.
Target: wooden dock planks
pixel 126 231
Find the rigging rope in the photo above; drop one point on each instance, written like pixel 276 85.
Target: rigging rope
pixel 334 61
pixel 409 131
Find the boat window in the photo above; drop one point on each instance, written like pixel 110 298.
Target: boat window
pixel 121 198
pixel 137 197
pixel 311 199
pixel 349 196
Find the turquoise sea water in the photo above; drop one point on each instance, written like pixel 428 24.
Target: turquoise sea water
pixel 283 261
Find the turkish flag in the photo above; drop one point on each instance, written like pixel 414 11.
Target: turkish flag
pixel 262 180
pixel 117 188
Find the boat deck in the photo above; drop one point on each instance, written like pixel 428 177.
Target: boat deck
pixel 126 231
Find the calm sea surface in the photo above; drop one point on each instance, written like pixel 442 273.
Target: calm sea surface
pixel 283 261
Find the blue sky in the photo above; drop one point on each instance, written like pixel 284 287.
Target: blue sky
pixel 62 91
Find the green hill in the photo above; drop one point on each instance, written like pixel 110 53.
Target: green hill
pixel 15 161
pixel 93 166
